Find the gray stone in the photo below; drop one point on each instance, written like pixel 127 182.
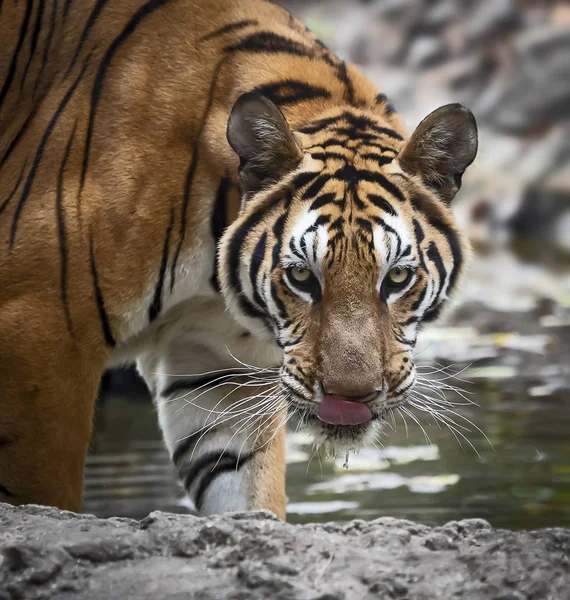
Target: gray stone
pixel 45 553
pixel 539 95
pixel 427 51
pixel 544 212
pixel 491 17
pixel 392 9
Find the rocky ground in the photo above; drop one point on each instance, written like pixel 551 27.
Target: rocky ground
pixel 46 553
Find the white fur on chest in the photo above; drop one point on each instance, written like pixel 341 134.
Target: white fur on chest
pixel 198 336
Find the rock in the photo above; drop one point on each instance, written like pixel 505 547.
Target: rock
pixel 544 212
pixel 392 9
pixel 491 17
pixel 427 51
pixel 45 553
pixel 538 96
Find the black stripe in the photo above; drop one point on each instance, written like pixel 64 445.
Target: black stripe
pixel 417 203
pixel 33 41
pixel 190 174
pixel 361 123
pixel 342 76
pixel 19 135
pixel 328 155
pixel 231 27
pixel 352 134
pixel 388 107
pixel 254 267
pixel 382 181
pixel 380 147
pixel 411 321
pixel 66 9
pixel 93 16
pixel 297 378
pixel 378 158
pixel 338 224
pixel 61 231
pixel 105 325
pixel 183 383
pixel 201 463
pixel 381 203
pixel 228 462
pixel 144 11
pixel 289 387
pixel 16 54
pixel 420 236
pixel 357 200
pixel 435 257
pixel 320 125
pixel 47 46
pixel 278 229
pixel 453 241
pixel 303 179
pixel 323 200
pixel 328 143
pixel 218 224
pixel 405 341
pixel 316 187
pixel 410 385
pixel 188 444
pixel 271 43
pixel 156 305
pixel 389 229
pixel 233 264
pixel 40 150
pixel 432 313
pixel 281 308
pixel 364 224
pixel 419 300
pixel 11 194
pixel 291 91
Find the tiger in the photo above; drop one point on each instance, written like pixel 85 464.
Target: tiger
pixel 204 189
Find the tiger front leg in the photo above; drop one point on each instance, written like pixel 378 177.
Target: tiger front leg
pixel 226 440
pixel 48 388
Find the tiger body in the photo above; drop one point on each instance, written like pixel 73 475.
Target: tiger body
pixel 127 163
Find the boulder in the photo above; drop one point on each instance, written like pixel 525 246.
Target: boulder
pixel 544 212
pixel 537 95
pixel 46 553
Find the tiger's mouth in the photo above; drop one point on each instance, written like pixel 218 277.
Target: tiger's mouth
pixel 337 421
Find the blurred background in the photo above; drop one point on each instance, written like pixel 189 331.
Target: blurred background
pixel 506 346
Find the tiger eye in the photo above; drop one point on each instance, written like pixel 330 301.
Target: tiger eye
pixel 300 275
pixel 399 275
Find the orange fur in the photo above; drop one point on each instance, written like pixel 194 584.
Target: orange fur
pixel 114 141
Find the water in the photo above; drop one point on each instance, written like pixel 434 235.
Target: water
pixel 518 479
pixel 512 326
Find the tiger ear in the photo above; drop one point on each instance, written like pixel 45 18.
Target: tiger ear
pixel 259 134
pixel 443 145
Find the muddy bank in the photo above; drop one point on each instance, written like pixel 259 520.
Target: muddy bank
pixel 46 553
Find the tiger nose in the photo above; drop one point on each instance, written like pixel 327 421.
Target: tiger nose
pixel 361 398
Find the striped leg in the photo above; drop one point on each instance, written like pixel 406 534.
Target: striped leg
pixel 229 452
pixel 223 423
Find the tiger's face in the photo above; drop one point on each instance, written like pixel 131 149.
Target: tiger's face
pixel 344 246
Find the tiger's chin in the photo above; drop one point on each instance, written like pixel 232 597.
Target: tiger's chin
pixel 341 438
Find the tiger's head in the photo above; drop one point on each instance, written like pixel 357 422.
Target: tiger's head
pixel 344 246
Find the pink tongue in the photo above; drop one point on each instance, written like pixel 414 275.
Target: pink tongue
pixel 337 411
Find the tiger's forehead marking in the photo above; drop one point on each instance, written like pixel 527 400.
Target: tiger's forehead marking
pixel 349 198
pixel 346 211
